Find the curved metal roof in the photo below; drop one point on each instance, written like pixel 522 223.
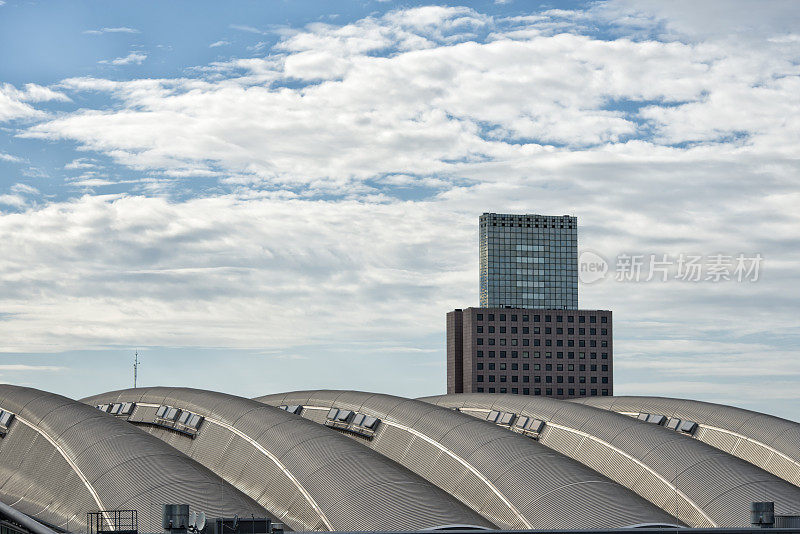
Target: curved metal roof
pixel 513 481
pixel 60 459
pixel 769 442
pixel 703 486
pixel 311 478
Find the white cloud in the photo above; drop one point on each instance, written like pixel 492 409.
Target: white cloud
pixel 16 201
pixel 664 139
pixel 216 44
pixel 25 367
pixel 24 189
pixel 134 58
pixel 14 103
pixel 120 29
pixel 453 103
pixel 246 28
pixel 10 158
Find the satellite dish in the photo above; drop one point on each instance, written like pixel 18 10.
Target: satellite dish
pixel 192 519
pixel 201 521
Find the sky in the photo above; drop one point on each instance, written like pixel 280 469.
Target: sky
pixel 265 195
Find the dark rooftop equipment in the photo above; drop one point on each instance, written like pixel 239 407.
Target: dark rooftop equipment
pixel 762 514
pixel 116 521
pixel 175 517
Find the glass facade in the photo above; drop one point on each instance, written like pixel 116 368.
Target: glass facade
pixel 528 261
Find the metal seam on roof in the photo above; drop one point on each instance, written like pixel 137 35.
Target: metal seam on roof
pixel 71 463
pixel 269 455
pixel 453 455
pixel 626 455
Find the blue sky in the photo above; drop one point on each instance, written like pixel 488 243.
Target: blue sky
pixel 264 196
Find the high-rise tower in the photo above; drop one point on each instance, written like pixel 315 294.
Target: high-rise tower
pixel 528 261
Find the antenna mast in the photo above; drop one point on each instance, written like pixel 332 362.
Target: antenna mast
pixel 135 366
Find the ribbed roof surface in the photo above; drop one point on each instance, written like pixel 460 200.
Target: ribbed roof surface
pixel 310 477
pixel 61 459
pixel 512 480
pixel 702 485
pixel 769 442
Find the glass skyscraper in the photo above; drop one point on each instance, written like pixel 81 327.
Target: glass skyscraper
pixel 528 261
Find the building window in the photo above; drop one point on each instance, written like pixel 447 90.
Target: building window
pixel 605 380
pixel 559 343
pixel 548 354
pixel 537 354
pixel 480 354
pixel 480 329
pixel 515 391
pixel 537 330
pixel 526 378
pixel 502 378
pixel 526 354
pixel 581 319
pixel 526 391
pixel 525 318
pixel 526 330
pixel 515 378
pixel 514 366
pixel 559 391
pixel 581 331
pixel 605 392
pixel 582 379
pixel 491 354
pixel 605 368
pixel 548 319
pixel 491 317
pixel 570 318
pixel 604 319
pixel 548 342
pixel 480 366
pixel 491 378
pixel 604 331
pixel 502 329
pixel 491 366
pixel 526 342
pixel 502 354
pixel 491 390
pixel 570 367
pixel 480 317
pixel 604 356
pixel 593 319
pixel 502 316
pixel 537 379
pixel 604 343
pixel 513 329
pixel 583 392
pixel 479 341
pixel 503 390
pixel 513 317
pixel 514 342
pixel 536 318
pixel 548 330
pixel 537 391
pixel 480 378
pixel 537 366
pixel 548 391
pixel 502 367
pixel 491 341
pixel 491 330
pixel 480 390
pixel 571 379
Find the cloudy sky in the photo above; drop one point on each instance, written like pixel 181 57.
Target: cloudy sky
pixel 269 195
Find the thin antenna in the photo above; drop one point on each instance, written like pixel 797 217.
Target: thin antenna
pixel 135 367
